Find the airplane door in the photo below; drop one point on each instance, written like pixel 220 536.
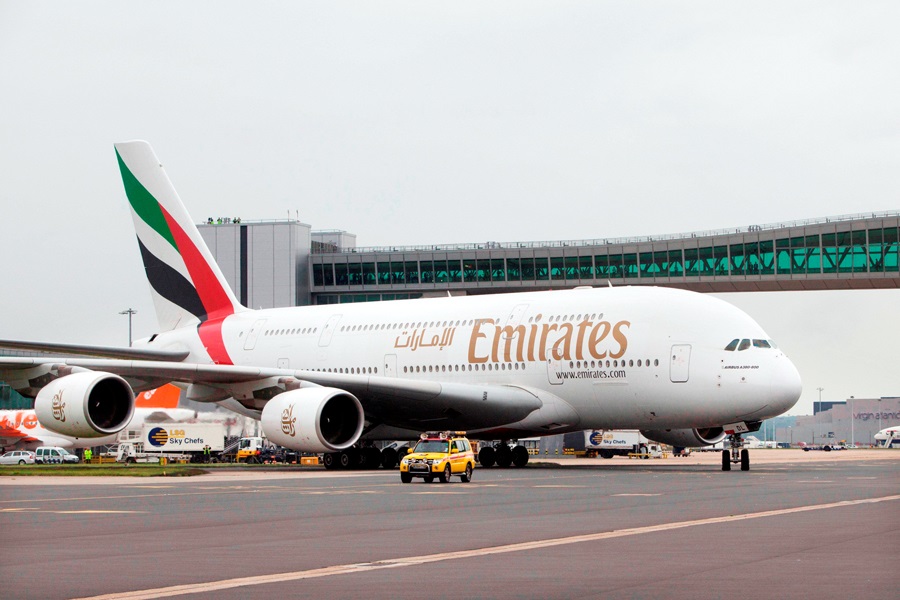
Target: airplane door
pixel 680 363
pixel 255 330
pixel 554 368
pixel 329 329
pixel 390 365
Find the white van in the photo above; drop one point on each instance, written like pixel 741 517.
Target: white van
pixel 45 455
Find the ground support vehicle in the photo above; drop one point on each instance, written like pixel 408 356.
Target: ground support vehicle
pixel 441 455
pixel 606 444
pixel 201 442
pixel 649 451
pixel 134 452
pixel 48 455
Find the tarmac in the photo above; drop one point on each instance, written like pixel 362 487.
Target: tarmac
pixel 798 524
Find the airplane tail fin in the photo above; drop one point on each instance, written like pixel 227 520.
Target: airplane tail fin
pixel 185 281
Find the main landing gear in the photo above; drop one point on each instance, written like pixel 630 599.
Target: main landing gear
pixel 737 454
pixel 503 456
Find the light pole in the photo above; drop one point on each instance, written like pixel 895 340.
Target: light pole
pixel 791 432
pixel 130 312
pixel 821 389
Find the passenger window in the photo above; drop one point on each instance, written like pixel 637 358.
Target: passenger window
pixel 732 345
pixel 745 343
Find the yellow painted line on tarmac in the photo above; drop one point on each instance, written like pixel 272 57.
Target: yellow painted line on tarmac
pixel 224 584
pixel 558 486
pixel 68 512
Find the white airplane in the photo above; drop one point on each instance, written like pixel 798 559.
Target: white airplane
pixel 889 436
pixel 21 429
pixel 683 367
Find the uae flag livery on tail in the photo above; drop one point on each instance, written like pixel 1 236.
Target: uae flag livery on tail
pixel 185 281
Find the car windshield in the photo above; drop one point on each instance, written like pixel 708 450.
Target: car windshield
pixel 63 451
pixel 432 446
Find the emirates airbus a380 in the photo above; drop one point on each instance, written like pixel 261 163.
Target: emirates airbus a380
pixel 685 368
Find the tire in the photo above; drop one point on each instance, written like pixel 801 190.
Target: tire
pixel 467 476
pixel 405 478
pixel 745 460
pixel 520 456
pixel 429 478
pixel 345 460
pixel 726 460
pixel 328 460
pixel 504 457
pixel 445 476
pixel 487 456
pixel 389 458
pixel 606 454
pixel 21 462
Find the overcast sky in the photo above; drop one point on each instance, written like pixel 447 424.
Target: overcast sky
pixel 422 122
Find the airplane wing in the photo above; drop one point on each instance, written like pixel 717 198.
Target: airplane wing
pixel 402 403
pixel 142 353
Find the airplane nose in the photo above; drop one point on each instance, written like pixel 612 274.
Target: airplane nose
pixel 786 386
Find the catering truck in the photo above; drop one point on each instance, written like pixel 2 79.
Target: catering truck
pixel 606 444
pixel 196 442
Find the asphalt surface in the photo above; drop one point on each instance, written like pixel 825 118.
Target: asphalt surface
pixel 805 526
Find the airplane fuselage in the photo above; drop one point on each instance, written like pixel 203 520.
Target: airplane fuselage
pixel 600 358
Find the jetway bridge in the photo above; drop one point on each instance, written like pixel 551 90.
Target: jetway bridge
pixel 845 252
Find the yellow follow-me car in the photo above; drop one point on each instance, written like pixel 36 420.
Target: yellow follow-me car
pixel 439 454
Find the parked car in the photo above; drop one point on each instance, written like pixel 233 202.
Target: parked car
pixel 17 457
pixel 53 454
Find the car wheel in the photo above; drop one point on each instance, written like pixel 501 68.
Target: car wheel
pixel 445 476
pixel 21 462
pixel 467 476
pixel 429 478
pixel 405 478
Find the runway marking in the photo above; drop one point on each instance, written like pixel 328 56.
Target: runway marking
pixel 637 495
pixel 816 481
pixel 224 584
pixel 68 512
pixel 862 478
pixel 557 486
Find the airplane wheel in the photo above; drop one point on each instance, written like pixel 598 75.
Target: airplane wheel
pixel 487 456
pixel 405 478
pixel 445 476
pixel 345 460
pixel 389 458
pixel 520 456
pixel 745 460
pixel 726 460
pixel 467 476
pixel 504 457
pixel 328 460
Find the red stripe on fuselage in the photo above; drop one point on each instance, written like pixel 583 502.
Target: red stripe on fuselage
pixel 212 295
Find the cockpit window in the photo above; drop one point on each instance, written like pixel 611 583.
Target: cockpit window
pixel 761 344
pixel 773 344
pixel 745 343
pixel 732 345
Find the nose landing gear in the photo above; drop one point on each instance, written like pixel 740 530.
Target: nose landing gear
pixel 737 454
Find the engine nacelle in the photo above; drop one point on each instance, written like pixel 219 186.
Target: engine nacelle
pixel 313 419
pixel 88 404
pixel 686 438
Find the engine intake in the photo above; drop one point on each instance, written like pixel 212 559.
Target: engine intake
pixel 313 419
pixel 85 405
pixel 686 438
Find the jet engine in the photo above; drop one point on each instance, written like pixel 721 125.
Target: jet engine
pixel 88 404
pixel 686 438
pixel 313 419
